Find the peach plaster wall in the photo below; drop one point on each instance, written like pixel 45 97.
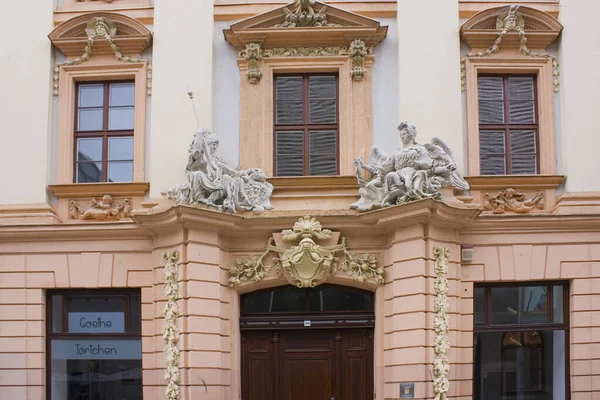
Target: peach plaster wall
pixel 29 268
pixel 560 256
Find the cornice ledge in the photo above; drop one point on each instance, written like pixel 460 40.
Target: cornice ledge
pixel 532 224
pixel 109 231
pixel 71 190
pixel 499 182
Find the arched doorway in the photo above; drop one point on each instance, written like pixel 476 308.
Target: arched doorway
pixel 307 344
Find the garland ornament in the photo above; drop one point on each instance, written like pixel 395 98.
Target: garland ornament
pixel 171 331
pixel 510 20
pixel 441 343
pixel 306 263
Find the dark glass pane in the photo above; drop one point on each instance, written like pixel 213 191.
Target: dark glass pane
pixel 323 165
pixel 96 314
pixel 106 303
pixel 519 305
pixel 523 164
pixel 120 148
pixel 120 119
pixel 323 142
pixel 491 142
pixel 321 87
pixel 135 313
pixel 522 112
pixel 290 142
pixel 289 88
pixel 520 88
pixel 491 100
pixel 57 314
pixel 522 142
pixel 288 165
pixel 121 94
pixel 257 302
pixel 479 306
pixel 557 306
pixel 89 172
pixel 120 171
pixel 89 149
pixel 338 298
pixel 91 95
pixel 289 112
pixel 492 164
pixel 533 367
pixel 90 119
pixel 96 369
pixel 289 298
pixel 322 111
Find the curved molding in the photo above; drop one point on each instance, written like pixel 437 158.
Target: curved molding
pixel 482 28
pixel 71 38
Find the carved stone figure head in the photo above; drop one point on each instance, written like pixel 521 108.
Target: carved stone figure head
pixel 107 199
pixel 212 141
pixel 408 132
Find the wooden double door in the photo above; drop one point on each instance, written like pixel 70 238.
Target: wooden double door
pixel 307 364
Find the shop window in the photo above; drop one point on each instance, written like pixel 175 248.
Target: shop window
pixel 104 121
pixel 94 345
pixel 306 125
pixel 520 342
pixel 508 125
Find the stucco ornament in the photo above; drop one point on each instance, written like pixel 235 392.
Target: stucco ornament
pixel 101 210
pixel 507 21
pixel 416 171
pixel 101 28
pixel 171 330
pixel 213 183
pixel 306 263
pixel 441 343
pixel 357 52
pixel 253 55
pixel 512 201
pixel 304 15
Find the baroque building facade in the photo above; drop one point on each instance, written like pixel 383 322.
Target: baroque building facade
pixel 219 200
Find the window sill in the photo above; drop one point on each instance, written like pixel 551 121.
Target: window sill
pixel 71 190
pixel 498 182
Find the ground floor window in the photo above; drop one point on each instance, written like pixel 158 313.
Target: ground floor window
pixel 94 345
pixel 520 342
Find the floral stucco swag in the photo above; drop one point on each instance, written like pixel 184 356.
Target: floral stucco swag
pixel 171 331
pixel 441 365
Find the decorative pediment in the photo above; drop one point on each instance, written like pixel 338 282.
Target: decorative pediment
pixel 71 37
pixel 483 28
pixel 305 23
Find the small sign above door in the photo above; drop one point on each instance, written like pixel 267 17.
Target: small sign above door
pixel 407 390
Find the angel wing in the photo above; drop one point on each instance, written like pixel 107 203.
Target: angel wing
pixel 378 157
pixel 442 156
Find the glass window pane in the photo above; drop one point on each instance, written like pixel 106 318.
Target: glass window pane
pixel 57 314
pixel 289 298
pixel 522 141
pixel 89 119
pixel 491 142
pixel 522 112
pixel 91 95
pixel 557 305
pixel 323 165
pixel 89 172
pixel 523 164
pixel 492 164
pixel 135 313
pixel 89 149
pixel 520 88
pixel 533 367
pixel 288 165
pixel 491 100
pixel 120 148
pixel 323 142
pixel 120 171
pixel 479 306
pixel 289 112
pixel 108 303
pixel 519 305
pixel 257 302
pixel 120 118
pixel 290 142
pixel 337 298
pixel 289 88
pixel 121 94
pixel 322 111
pixel 321 87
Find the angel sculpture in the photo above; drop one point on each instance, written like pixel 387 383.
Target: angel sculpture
pixel 415 172
pixel 212 182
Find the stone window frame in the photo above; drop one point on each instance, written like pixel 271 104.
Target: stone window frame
pixel 543 70
pixel 256 117
pixel 69 77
